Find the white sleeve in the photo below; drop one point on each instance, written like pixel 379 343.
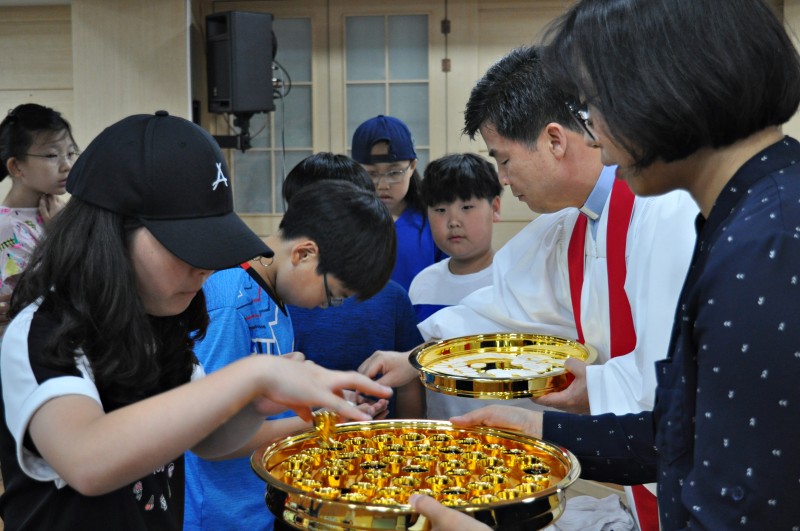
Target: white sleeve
pixel 529 291
pixel 660 246
pixel 24 392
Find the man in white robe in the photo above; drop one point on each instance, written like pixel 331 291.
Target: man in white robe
pixel 545 155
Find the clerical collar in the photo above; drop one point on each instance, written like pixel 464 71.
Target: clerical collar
pixel 602 190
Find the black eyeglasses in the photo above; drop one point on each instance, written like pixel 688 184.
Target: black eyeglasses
pixel 581 115
pixel 332 301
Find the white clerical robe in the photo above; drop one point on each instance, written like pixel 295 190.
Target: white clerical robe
pixel 531 293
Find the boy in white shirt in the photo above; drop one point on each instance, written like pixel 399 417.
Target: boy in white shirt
pixel 462 195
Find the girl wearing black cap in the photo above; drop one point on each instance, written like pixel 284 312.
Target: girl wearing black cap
pixel 37 151
pixel 101 390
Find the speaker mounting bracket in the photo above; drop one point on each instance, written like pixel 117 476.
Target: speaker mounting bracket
pixel 240 141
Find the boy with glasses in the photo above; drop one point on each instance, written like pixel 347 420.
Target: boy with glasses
pixel 336 240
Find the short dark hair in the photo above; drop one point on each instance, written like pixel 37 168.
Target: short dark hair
pixel 459 176
pixel 516 96
pixel 667 81
pixel 353 230
pixel 325 166
pixel 20 127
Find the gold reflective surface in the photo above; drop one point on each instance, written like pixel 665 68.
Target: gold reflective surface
pixel 462 468
pixel 498 366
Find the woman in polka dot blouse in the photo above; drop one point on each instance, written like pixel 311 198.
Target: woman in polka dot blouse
pixel 691 95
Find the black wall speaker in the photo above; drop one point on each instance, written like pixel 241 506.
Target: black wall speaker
pixel 239 53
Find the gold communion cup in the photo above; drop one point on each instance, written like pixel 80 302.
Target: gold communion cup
pixel 438 483
pixel 453 451
pixel 327 493
pixel 450 464
pixel 396 493
pixel 315 455
pixel 493 449
pixel 379 478
pixel 469 444
pixel 416 471
pixel 441 439
pixel 453 493
pixel 484 499
pixel 367 454
pixel 412 439
pixel 394 463
pixel 371 466
pixel 309 485
pixel 479 488
pixel 356 443
pixel 406 482
pixel 459 476
pixel 382 440
pixel 365 488
pixel 333 476
pixel 473 458
pixel 454 502
pixel 509 494
pixel 354 497
pixel 497 480
pixel 529 488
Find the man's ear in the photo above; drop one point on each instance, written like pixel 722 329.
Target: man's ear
pixel 496 209
pixel 556 139
pixel 304 251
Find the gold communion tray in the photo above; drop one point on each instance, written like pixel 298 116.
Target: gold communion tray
pixel 498 366
pixel 362 478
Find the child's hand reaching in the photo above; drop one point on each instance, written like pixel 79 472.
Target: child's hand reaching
pixel 301 386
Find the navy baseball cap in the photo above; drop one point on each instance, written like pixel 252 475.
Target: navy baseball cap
pixel 170 174
pixel 383 129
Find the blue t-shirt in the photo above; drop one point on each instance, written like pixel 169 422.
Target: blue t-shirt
pixel 416 249
pixel 244 320
pixel 342 337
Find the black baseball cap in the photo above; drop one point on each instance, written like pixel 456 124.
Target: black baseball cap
pixel 170 174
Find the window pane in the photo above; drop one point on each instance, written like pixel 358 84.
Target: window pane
pixel 294 46
pixel 293 118
pixel 409 102
pixel 282 168
pixel 363 102
pixel 423 158
pixel 259 130
pixel 365 45
pixel 252 187
pixel 408 47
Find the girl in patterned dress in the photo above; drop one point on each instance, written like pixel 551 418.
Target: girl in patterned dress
pixel 37 151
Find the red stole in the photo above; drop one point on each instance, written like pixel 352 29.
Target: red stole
pixel 623 334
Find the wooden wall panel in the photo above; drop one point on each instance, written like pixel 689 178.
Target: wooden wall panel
pixel 128 58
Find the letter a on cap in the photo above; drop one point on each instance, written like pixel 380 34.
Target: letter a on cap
pixel 220 177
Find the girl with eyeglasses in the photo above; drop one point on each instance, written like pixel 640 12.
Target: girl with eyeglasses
pixel 37 151
pixel 385 147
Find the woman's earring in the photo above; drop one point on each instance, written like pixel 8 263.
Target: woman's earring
pixel 261 261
